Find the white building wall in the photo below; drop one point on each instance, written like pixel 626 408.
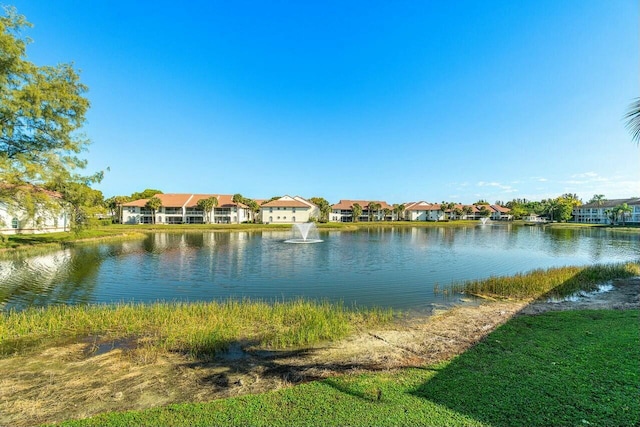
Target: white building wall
pixel 435 215
pixel 14 220
pixel 417 215
pixel 597 215
pixel 130 215
pixel 285 215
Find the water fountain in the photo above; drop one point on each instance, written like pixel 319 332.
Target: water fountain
pixel 484 220
pixel 307 231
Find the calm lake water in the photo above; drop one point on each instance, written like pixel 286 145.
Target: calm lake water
pixel 383 267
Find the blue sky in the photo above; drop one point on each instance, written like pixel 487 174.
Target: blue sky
pixel 396 101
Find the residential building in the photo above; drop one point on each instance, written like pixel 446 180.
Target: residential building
pixel 288 210
pixel 599 212
pixel 183 209
pixel 534 219
pixel 343 211
pixel 47 218
pixel 423 211
pixel 500 213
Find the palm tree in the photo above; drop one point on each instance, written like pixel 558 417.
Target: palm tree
pixel 207 205
pixel 154 204
pixel 458 212
pixel 237 199
pixel 115 206
pixel 551 206
pixel 443 209
pixel 633 120
pixel 399 210
pixel 468 210
pixel 484 212
pixel 597 199
pixel 374 206
pixel 386 212
pixel 255 208
pixel 623 210
pixel 356 210
pixel 446 206
pixel 370 208
pixel 323 206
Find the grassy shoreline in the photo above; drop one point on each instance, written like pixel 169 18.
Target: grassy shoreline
pixel 199 329
pixel 204 328
pixel 551 282
pixel 27 244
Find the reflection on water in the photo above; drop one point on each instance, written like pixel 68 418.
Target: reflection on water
pixel 395 267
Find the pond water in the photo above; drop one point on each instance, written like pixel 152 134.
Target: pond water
pixel 396 267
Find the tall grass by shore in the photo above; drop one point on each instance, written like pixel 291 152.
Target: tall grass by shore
pixel 199 329
pixel 554 282
pixel 18 245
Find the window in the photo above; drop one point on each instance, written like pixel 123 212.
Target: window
pixel 293 219
pixel 270 210
pixel 15 223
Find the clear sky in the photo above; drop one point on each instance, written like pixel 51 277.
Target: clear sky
pixel 390 100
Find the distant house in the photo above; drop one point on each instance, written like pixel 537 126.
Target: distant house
pixel 533 219
pixel 183 209
pixel 288 210
pixel 500 213
pixel 48 217
pixel 423 211
pixel 343 211
pixel 598 212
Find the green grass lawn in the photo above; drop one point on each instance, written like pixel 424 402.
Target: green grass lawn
pixel 561 368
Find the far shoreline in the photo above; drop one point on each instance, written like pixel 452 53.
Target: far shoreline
pixel 26 243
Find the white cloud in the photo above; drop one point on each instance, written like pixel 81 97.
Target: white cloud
pixel 585 175
pixel 506 188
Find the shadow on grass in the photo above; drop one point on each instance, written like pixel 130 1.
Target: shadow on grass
pixel 32 239
pixel 559 368
pixel 229 367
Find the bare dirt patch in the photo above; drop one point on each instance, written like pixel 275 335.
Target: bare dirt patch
pixel 86 378
pixel 623 294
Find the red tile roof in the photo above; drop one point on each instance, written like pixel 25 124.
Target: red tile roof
pixel 500 209
pixel 288 202
pixel 187 200
pixel 137 203
pixel 348 204
pixel 32 188
pixel 224 200
pixel 422 206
